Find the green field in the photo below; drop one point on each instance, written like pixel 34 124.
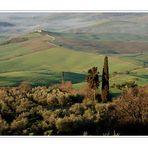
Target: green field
pixel 41 62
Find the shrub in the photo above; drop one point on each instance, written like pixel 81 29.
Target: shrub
pixel 66 86
pixel 89 114
pixel 88 102
pixel 77 98
pixel 70 125
pixel 24 105
pixel 133 106
pixel 126 85
pixel 4 127
pixel 86 91
pixel 77 109
pixel 64 125
pixel 18 125
pixel 128 114
pixel 24 86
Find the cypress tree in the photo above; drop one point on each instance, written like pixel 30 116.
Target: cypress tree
pixel 105 81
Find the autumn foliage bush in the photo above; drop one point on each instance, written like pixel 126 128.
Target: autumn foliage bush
pixel 128 114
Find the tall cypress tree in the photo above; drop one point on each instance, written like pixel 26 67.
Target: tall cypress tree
pixel 105 81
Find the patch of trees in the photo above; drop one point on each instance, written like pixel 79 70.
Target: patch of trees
pixel 60 111
pixel 125 85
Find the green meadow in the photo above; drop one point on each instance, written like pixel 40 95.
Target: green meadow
pixel 41 62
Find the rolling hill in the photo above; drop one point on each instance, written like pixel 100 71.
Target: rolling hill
pixel 38 52
pixel 106 43
pixel 35 58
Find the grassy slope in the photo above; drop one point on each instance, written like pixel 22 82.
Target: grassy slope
pixel 39 66
pixel 40 62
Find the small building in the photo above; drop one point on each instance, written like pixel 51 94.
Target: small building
pixel 39 30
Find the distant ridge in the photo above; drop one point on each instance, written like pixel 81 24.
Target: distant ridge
pixel 6 24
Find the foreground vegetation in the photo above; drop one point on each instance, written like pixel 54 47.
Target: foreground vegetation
pixel 62 110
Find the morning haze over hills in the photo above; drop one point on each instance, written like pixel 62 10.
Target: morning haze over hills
pixel 110 32
pixel 30 43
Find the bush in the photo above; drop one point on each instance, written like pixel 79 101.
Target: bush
pixel 66 87
pixel 89 114
pixel 128 114
pixel 126 85
pixel 64 125
pixel 77 109
pixel 70 125
pixel 4 127
pixel 24 86
pixel 133 106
